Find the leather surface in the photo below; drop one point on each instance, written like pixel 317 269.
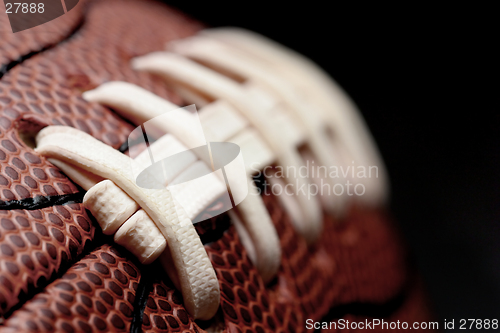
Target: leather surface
pixel 46 89
pixel 18 45
pixel 358 264
pixel 35 244
pixel 303 289
pixel 95 294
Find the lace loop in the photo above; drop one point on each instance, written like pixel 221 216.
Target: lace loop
pixel 198 282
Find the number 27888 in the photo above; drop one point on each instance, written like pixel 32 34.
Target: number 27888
pixel 18 7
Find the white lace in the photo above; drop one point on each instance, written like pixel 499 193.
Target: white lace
pixel 285 102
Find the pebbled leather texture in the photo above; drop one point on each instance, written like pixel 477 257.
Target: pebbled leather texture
pixel 15 47
pixel 98 292
pixel 58 274
pixel 35 244
pixel 164 311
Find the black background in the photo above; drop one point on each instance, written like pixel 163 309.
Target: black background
pixel 425 79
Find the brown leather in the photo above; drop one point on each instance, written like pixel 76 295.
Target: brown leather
pixel 357 264
pixel 21 44
pixel 364 263
pixel 97 293
pixel 164 311
pixel 25 174
pixel 46 89
pixel 35 244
